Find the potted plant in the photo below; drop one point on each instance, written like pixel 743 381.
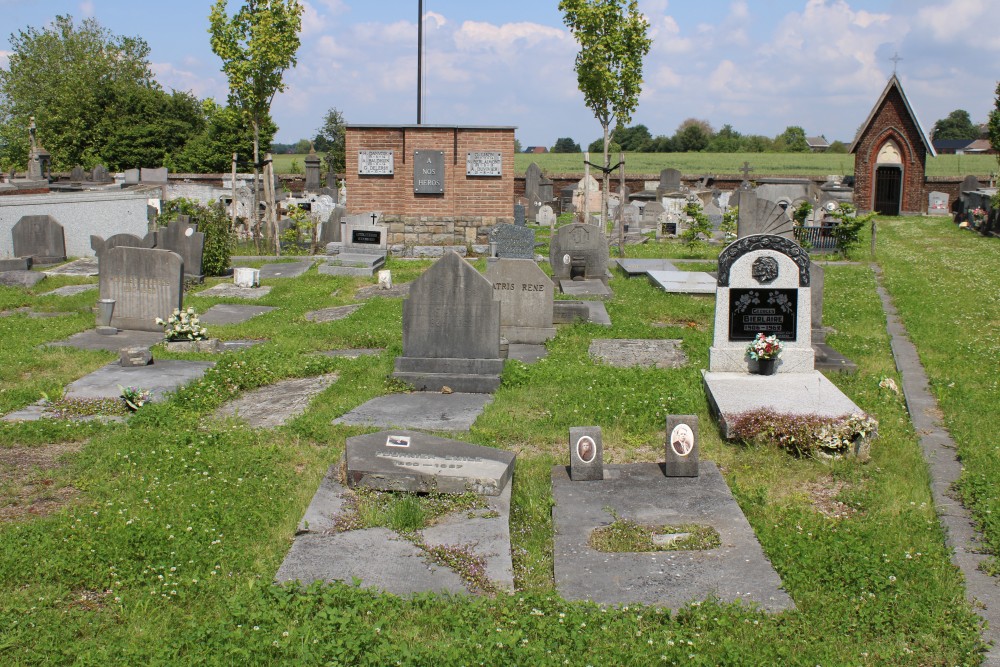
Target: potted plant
pixel 765 351
pixel 977 218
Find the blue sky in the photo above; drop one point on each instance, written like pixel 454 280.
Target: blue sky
pixel 759 65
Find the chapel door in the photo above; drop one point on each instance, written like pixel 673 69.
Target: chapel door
pixel 888 190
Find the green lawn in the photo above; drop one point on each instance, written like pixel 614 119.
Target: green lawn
pixel 158 540
pixel 786 164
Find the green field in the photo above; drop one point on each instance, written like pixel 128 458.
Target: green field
pixel 694 164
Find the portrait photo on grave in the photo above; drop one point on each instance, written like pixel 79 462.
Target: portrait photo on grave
pixel 397 441
pixel 586 449
pixel 682 440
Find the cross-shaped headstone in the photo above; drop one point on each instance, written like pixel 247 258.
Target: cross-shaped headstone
pixel 746 169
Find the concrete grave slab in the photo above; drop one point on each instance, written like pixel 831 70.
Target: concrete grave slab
pixel 404 460
pixel 15 264
pixel 353 353
pixel 419 410
pixel 230 291
pixel 158 378
pixel 568 312
pixel 810 393
pixel 275 404
pixel 684 282
pixel 86 266
pixel 285 269
pixel 69 290
pixel 91 340
pixel 398 290
pixel 227 313
pixel 626 352
pixel 526 353
pixel 41 410
pixel 638 267
pixel 736 570
pixel 21 278
pixel 588 287
pixel 401 567
pixel 331 314
pixel 352 264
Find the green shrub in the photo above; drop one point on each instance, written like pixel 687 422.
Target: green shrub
pixel 214 223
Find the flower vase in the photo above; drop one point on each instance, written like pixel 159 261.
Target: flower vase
pixel 766 366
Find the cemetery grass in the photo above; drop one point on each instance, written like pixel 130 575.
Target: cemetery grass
pixel 932 266
pixel 168 553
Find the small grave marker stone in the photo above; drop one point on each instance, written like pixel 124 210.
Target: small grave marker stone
pixel 682 446
pixel 586 453
pixel 937 203
pixel 513 241
pixel 546 216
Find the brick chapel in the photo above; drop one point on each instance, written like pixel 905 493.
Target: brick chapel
pixel 890 157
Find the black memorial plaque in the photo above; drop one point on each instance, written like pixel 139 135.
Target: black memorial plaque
pixel 768 311
pixel 428 172
pixel 366 236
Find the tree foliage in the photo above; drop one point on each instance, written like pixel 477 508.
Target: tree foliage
pixel 331 138
pixel 224 133
pixel 792 140
pixel 993 125
pixel 93 96
pixel 566 145
pixel 957 125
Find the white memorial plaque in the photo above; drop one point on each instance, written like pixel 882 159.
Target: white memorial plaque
pixel 375 163
pixel 483 163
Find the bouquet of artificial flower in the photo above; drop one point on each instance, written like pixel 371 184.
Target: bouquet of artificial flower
pixel 764 347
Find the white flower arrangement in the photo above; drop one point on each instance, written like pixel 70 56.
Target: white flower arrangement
pixel 182 325
pixel 764 347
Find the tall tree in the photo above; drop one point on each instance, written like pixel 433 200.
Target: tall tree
pixel 613 42
pixel 225 133
pixel 993 125
pixel 792 140
pixel 256 46
pixel 72 78
pixel 958 125
pixel 566 145
pixel 332 134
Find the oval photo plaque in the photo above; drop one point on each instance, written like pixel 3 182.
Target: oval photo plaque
pixel 682 440
pixel 586 449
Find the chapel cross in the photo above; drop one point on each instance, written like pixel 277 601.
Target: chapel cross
pixel 895 61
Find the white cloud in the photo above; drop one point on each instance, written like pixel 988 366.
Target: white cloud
pixel 312 21
pixel 193 81
pixel 954 19
pixel 480 36
pixel 87 8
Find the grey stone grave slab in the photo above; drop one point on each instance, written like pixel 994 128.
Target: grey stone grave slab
pixel 684 282
pixel 85 266
pixel 230 291
pixel 586 453
pixel 157 176
pixel 525 294
pixel 353 353
pixel 227 313
pixel 451 330
pixel 681 447
pixel 69 290
pixel 285 269
pixel 163 376
pixel 512 241
pixel 363 251
pixel 627 352
pixel 331 314
pixel 134 356
pixel 145 284
pixel 15 264
pixel 809 393
pixel 131 177
pixel 519 219
pixel 331 231
pixel 568 312
pixel 401 568
pixel 670 182
pixel 587 287
pixel 275 404
pixel 737 570
pixel 92 340
pixel 398 290
pixel 419 410
pixel 762 216
pixel 406 460
pixel 235 345
pixel 937 203
pixel 21 278
pixel 98 244
pixel 184 238
pixel 638 267
pixel 579 251
pixel 525 353
pixel 39 237
pixel 651 213
pixel 546 216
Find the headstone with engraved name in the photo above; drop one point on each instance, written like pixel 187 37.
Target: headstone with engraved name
pixel 512 241
pixel 937 203
pixel 451 330
pixel 526 296
pixel 145 283
pixel 363 250
pixel 39 237
pixel 182 237
pixel 519 218
pixel 579 251
pixel 546 216
pixel 763 287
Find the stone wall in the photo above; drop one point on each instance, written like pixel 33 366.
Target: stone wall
pixel 460 215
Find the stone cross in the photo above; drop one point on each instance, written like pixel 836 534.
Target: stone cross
pixel 374 217
pixel 895 61
pixel 31 135
pixel 745 169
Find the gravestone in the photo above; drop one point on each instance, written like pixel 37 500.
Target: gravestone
pixel 145 283
pixel 816 281
pixel 512 242
pixel 362 251
pixel 631 215
pixel 135 356
pixel 587 189
pixel 760 216
pixel 937 203
pixel 586 453
pixel 763 287
pixel 546 216
pixel 670 183
pixel 77 175
pixel 312 171
pixel 101 175
pixel 451 330
pixel 525 294
pixel 39 237
pixel 651 214
pixel 158 176
pixel 100 245
pixel 332 232
pixel 532 189
pixel 131 177
pixel 681 446
pixel 579 251
pixel 519 218
pixel 402 460
pixel 182 237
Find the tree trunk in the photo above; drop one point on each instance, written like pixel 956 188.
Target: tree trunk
pixel 604 183
pixel 622 202
pixel 233 203
pixel 254 217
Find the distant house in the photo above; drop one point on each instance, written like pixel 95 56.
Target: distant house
pixel 952 146
pixel 818 144
pixel 980 147
pixel 536 149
